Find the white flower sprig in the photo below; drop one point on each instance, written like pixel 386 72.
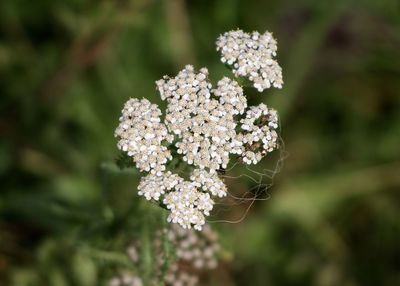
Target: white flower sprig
pixel 262 137
pixel 252 56
pixel 205 127
pixel 141 133
pixel 188 205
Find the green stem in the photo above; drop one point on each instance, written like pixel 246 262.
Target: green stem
pixel 146 254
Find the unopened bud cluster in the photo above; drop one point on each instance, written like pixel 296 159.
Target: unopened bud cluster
pixel 197 248
pixel 206 126
pixel 194 252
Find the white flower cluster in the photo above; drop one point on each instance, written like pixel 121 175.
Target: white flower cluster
pixel 230 95
pixel 252 56
pixel 141 133
pixel 259 127
pixel 204 126
pixel 209 182
pixel 153 186
pixel 188 205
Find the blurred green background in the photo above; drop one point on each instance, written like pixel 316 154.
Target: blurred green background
pixel 67 67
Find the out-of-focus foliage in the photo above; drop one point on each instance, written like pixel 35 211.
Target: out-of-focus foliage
pixel 68 213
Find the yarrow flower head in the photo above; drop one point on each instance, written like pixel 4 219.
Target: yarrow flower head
pixel 141 134
pixel 252 56
pixel 153 186
pixel 259 133
pixel 188 205
pixel 204 127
